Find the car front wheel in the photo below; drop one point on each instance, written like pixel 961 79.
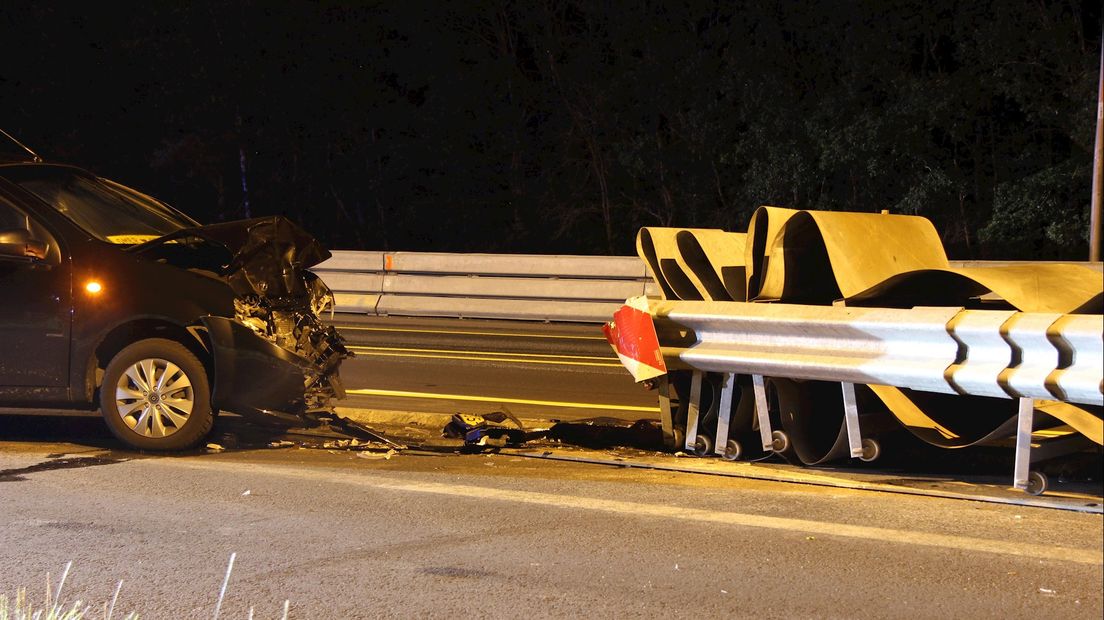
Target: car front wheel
pixel 155 396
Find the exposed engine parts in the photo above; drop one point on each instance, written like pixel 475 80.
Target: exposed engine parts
pixel 293 323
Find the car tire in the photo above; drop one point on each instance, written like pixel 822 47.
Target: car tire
pixel 155 396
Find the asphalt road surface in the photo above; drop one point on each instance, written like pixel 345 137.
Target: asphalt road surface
pixel 446 535
pixel 545 371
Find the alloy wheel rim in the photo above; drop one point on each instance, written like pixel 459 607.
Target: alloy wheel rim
pixel 154 398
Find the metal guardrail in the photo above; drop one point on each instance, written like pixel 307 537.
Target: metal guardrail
pixel 1053 363
pixel 946 350
pixel 498 286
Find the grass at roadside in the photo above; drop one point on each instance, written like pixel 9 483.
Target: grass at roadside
pixel 54 609
pixel 20 608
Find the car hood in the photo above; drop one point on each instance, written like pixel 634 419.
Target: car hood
pixel 264 256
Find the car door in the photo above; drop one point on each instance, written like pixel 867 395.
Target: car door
pixel 35 318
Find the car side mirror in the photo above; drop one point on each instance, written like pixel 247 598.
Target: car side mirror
pixel 18 242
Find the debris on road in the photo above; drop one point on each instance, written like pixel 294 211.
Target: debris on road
pixel 342 443
pixel 607 432
pixel 214 447
pixel 501 429
pixel 488 430
pixel 384 456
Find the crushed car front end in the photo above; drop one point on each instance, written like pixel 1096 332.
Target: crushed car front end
pixel 274 358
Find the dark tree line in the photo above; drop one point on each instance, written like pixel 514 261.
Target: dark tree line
pixel 563 126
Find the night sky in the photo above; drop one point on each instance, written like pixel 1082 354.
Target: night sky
pixel 558 126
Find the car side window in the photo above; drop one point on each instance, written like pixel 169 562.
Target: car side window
pixel 14 218
pixel 10 217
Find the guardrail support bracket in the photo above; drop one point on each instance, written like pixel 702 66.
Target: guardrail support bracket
pixel 1032 482
pixel 666 420
pixel 851 419
pixel 693 412
pixel 761 412
pixel 724 412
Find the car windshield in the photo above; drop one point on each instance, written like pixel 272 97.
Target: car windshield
pixel 106 210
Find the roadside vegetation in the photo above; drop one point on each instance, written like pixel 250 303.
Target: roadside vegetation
pixel 563 126
pixel 20 607
pixel 54 607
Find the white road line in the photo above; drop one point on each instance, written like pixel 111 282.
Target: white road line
pixel 634 509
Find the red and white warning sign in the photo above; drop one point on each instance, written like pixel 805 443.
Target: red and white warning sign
pixel 632 335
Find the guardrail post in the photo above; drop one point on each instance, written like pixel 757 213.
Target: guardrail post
pixel 666 420
pixel 693 411
pixel 1021 476
pixel 762 413
pixel 724 412
pixel 851 418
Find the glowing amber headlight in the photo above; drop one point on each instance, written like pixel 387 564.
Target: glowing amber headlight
pixel 93 287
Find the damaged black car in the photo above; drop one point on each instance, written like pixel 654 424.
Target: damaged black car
pixel 114 301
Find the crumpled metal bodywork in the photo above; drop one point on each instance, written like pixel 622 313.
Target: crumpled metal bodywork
pixel 274 357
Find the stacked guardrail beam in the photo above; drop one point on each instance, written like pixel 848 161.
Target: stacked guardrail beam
pixel 870 303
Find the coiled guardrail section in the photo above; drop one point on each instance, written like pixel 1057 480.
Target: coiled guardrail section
pixel 814 333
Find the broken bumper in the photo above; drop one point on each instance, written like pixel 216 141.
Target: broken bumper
pixel 256 378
